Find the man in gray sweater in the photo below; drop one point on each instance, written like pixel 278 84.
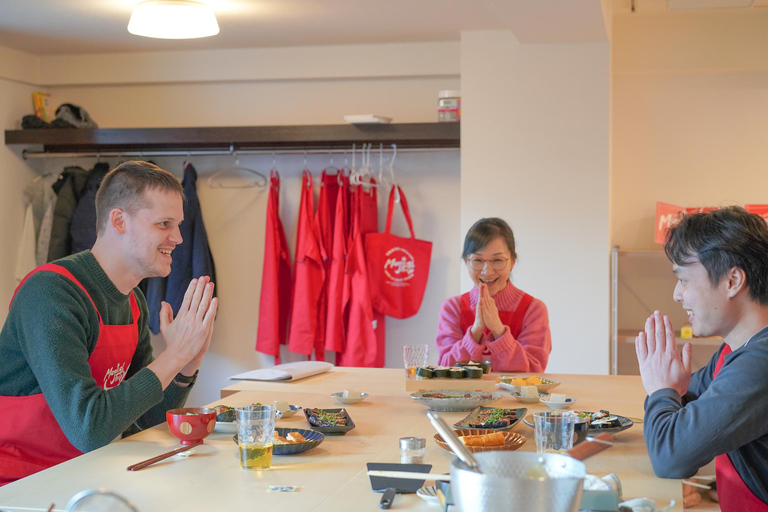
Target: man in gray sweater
pixel 721 411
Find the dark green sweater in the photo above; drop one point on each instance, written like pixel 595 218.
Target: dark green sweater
pixel 50 333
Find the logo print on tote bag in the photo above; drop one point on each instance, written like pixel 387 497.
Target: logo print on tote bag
pixel 399 266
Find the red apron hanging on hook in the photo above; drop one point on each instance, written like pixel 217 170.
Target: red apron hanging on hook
pixel 334 283
pixel 309 277
pixel 365 329
pixel 275 301
pixel 324 219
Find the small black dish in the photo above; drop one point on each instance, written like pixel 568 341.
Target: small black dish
pixel 336 430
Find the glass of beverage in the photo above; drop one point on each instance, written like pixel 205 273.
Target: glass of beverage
pixel 413 357
pixel 553 431
pixel 255 434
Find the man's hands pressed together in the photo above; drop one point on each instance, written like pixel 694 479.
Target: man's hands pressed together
pixel 661 365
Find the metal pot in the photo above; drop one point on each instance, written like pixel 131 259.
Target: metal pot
pixel 503 485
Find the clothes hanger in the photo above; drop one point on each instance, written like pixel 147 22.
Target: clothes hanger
pixel 261 182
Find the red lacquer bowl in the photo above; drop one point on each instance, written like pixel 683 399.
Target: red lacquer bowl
pixel 191 424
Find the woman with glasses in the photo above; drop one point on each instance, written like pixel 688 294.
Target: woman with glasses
pixel 495 320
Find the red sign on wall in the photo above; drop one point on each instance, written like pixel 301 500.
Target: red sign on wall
pixel 667 215
pixel 760 209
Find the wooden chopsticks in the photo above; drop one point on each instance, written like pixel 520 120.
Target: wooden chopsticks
pixel 148 462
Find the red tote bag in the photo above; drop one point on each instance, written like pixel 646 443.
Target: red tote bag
pixel 398 268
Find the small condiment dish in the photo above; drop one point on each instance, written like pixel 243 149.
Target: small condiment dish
pixel 292 409
pixel 558 405
pixel 350 399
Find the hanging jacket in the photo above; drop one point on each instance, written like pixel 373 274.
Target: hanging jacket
pixel 191 259
pixel 275 300
pixel 83 227
pixel 69 189
pixel 309 277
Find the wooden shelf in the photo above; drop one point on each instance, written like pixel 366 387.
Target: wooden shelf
pixel 628 336
pixel 410 135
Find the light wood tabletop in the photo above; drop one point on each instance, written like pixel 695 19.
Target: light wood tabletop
pixel 331 477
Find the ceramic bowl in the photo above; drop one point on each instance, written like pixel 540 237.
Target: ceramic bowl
pixel 339 397
pixel 559 405
pixel 293 410
pixel 191 424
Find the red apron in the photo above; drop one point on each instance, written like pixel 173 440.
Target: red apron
pixel 30 438
pixel 512 319
pixel 732 493
pixel 275 302
pixel 365 329
pixel 309 277
pixel 369 223
pixel 334 284
pixel 325 218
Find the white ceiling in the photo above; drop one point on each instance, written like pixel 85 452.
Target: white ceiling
pixel 50 27
pixel 57 27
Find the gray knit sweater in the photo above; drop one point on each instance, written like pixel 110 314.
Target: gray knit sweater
pixel 726 415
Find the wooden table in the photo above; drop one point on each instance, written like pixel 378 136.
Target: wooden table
pixel 332 477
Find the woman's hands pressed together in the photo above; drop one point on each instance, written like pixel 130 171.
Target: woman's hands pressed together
pixel 486 316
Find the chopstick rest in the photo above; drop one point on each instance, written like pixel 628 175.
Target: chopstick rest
pixel 149 462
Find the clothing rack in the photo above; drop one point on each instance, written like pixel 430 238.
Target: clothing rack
pixel 32 155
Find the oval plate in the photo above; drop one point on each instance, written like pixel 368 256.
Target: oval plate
pixel 512 440
pixel 458 400
pixel 624 424
pixel 546 384
pixel 313 439
pixel 464 423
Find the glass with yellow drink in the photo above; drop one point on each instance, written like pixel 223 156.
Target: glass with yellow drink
pixel 255 433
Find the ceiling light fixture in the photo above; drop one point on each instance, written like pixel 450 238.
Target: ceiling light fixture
pixel 173 19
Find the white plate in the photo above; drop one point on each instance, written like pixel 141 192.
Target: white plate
pixel 547 385
pixel 559 405
pixel 429 494
pixel 226 427
pixel 525 399
pixel 367 119
pixel 339 397
pixel 459 400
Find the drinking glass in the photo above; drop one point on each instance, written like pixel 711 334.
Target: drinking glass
pixel 255 435
pixel 553 431
pixel 413 357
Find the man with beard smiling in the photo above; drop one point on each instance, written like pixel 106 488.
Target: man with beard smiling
pixel 721 411
pixel 78 368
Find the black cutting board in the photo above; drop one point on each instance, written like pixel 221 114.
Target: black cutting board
pixel 403 485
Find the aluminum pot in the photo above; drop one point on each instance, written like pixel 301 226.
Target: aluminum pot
pixel 503 485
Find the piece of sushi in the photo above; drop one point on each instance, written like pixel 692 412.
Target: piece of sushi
pixel 442 372
pixel 425 372
pixel 458 373
pixel 474 372
pixel 605 422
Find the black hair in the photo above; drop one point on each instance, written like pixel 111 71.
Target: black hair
pixel 484 232
pixel 721 240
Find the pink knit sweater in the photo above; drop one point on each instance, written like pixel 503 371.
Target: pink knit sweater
pixel 528 353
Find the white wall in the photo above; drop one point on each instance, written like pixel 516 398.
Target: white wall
pixel 535 131
pixel 690 108
pixel 15 102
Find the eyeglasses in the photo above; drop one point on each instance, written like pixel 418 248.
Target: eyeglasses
pixel 478 264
